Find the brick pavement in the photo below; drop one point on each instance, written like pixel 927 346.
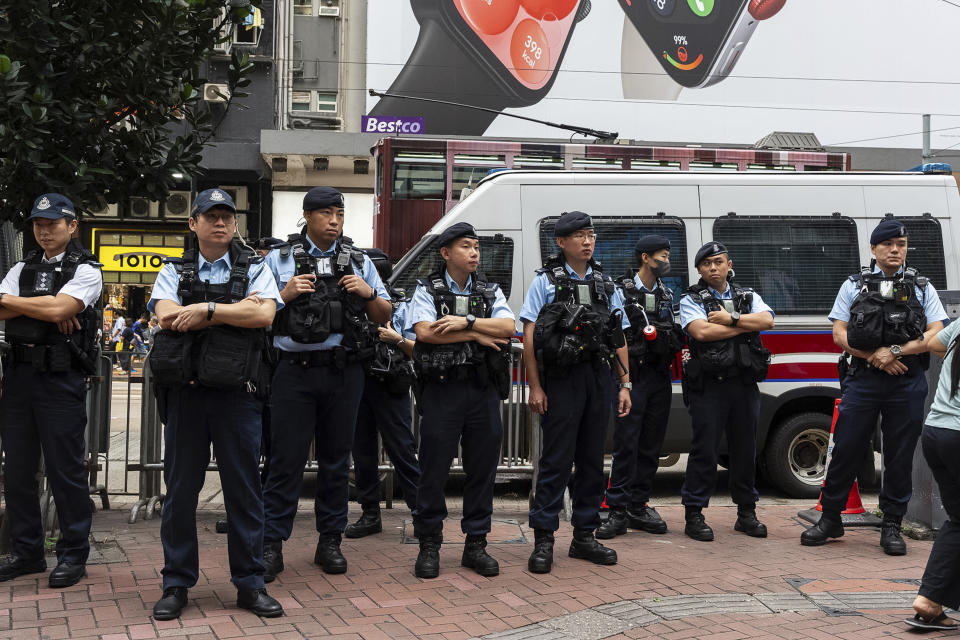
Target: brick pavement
pixel 664 586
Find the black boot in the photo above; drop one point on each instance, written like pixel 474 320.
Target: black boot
pixel 829 526
pixel 67 574
pixel 645 519
pixel 697 527
pixel 368 524
pixel 585 547
pixel 428 560
pixel 171 604
pixel 616 524
pixel 541 560
pixel 747 522
pixel 890 538
pixel 475 556
pixel 272 560
pixel 257 601
pixel 16 565
pixel 328 554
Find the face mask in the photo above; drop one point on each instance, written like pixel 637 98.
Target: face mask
pixel 660 268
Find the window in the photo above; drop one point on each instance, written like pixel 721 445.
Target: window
pixel 610 164
pixel 247 31
pixel 317 101
pixel 925 248
pixel 537 162
pixel 419 176
pixel 496 262
pixel 326 101
pixel 616 238
pixel 468 170
pixel 300 101
pixel 795 264
pixel 303 8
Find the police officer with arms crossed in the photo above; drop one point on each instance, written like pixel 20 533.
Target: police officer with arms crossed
pixel 463 327
pixel 653 340
pixel 331 290
pixel 51 332
pixel 385 407
pixel 574 349
pixel 882 317
pixel 723 322
pixel 213 303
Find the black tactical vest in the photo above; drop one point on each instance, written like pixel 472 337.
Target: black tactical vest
pixel 221 356
pixel 311 318
pixel 387 362
pixel 40 342
pixel 741 356
pixel 653 309
pixel 578 325
pixel 887 311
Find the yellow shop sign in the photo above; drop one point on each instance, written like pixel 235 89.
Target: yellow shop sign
pixel 148 259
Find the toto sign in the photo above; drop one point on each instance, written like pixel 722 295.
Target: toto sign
pixel 391 124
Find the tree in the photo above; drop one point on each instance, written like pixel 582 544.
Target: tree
pixel 92 93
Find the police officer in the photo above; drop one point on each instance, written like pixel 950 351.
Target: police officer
pixel 723 322
pixel 463 327
pixel 385 407
pixel 881 317
pixel 653 340
pixel 213 303
pixel 51 334
pixel 574 351
pixel 331 290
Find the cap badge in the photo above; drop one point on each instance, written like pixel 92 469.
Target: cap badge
pixel 715 247
pixel 216 195
pixel 43 203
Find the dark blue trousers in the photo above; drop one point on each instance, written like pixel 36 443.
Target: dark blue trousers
pixel 637 438
pixel 898 402
pixel 574 431
pixel 229 420
pixel 390 415
pixel 45 412
pixel 730 406
pixel 941 578
pixel 465 413
pixel 310 404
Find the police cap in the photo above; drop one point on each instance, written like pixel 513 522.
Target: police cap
pixel 52 206
pixel 571 221
pixel 650 244
pixel 708 251
pixel 887 229
pixel 321 198
pixel 458 230
pixel 211 198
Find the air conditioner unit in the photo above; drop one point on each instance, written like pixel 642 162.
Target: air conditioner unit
pixel 329 12
pixel 215 92
pixel 177 205
pixel 239 195
pixel 102 209
pixel 143 208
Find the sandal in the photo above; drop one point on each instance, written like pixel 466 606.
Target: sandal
pixel 932 623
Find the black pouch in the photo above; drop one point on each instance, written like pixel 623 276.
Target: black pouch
pixel 865 328
pixel 229 357
pixel 757 361
pixel 171 358
pixel 59 357
pixel 718 357
pixel 692 376
pixel 499 368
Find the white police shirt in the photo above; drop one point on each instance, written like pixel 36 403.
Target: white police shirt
pixel 85 285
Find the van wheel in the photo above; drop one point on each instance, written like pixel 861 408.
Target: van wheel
pixel 796 455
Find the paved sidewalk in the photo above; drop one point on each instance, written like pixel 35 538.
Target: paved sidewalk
pixel 664 586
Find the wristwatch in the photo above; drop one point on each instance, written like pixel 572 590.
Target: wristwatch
pixel 484 53
pixel 734 318
pixel 626 385
pixel 470 320
pixel 896 351
pixel 211 307
pixel 402 341
pixel 372 296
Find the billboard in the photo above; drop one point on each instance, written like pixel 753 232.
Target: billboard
pixel 856 72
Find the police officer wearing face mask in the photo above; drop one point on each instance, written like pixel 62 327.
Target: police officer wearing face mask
pixel 882 317
pixel 723 321
pixel 50 343
pixel 653 341
pixel 463 327
pixel 332 291
pixel 574 351
pixel 207 362
pixel 385 408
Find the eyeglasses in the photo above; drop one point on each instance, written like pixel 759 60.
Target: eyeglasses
pixel 582 236
pixel 212 217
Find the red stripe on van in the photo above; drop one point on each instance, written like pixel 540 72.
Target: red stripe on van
pixel 802 371
pixel 799 342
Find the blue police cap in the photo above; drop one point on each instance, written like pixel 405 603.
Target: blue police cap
pixel 458 230
pixel 321 198
pixel 572 221
pixel 887 229
pixel 52 206
pixel 708 251
pixel 650 244
pixel 211 198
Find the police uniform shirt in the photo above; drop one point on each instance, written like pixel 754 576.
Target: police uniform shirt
pixel 849 290
pixel 216 272
pixel 542 292
pixel 85 285
pixel 284 268
pixel 691 307
pixel 424 309
pixel 399 322
pixel 642 288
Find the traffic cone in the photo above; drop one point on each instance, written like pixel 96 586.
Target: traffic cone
pixel 854 515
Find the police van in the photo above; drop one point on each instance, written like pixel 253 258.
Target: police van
pixel 794 238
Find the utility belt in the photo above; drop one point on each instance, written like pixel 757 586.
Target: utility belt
pixel 338 357
pixel 222 357
pixel 52 358
pixel 655 362
pixel 916 364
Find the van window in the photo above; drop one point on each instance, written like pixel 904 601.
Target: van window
pixel 616 238
pixel 496 262
pixel 796 264
pixel 925 248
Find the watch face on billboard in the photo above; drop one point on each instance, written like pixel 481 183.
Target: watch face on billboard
pixel 692 38
pixel 527 37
